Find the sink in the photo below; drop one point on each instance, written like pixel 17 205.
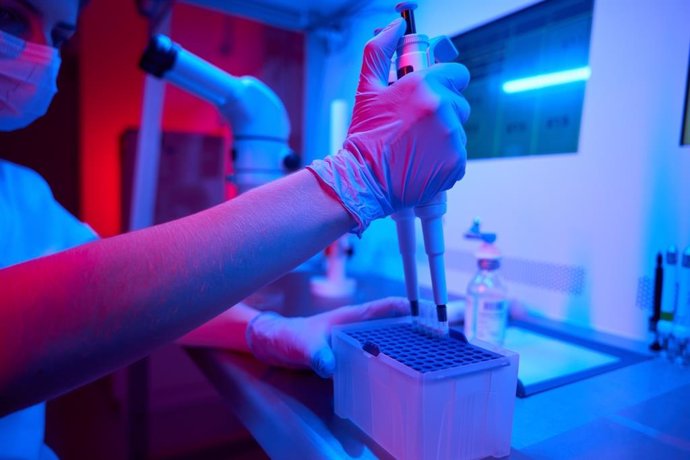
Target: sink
pixel 550 358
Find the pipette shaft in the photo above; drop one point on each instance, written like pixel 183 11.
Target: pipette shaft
pixel 404 222
pixel 431 215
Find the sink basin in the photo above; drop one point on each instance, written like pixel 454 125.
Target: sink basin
pixel 551 358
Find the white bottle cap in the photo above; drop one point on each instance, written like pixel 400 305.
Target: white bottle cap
pixel 681 332
pixel 488 251
pixel 664 327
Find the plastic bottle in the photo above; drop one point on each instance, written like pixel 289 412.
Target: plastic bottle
pixel 486 315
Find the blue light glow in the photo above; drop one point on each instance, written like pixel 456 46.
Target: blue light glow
pixel 546 80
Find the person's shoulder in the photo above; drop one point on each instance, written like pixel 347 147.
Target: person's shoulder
pixel 21 179
pixel 36 214
pixel 25 192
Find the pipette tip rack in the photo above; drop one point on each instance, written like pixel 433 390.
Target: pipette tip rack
pixel 422 396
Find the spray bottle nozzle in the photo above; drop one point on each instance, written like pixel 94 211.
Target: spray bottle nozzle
pixel 475 233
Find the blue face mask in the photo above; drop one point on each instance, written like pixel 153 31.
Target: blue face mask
pixel 28 81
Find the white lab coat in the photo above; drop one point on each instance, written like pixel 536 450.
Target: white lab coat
pixel 32 224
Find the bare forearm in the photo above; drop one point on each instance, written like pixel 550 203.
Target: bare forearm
pixel 227 330
pixel 71 317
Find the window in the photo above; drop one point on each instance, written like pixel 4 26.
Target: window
pixel 529 73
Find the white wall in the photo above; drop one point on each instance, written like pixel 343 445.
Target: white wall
pixel 608 209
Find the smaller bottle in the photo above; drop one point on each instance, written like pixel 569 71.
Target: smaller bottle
pixel 664 331
pixel 679 345
pixel 486 314
pixel 683 307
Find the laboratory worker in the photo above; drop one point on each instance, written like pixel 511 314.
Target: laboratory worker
pixel 69 316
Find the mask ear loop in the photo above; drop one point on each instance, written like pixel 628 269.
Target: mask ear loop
pixel 11 46
pixel 29 72
pixel 14 48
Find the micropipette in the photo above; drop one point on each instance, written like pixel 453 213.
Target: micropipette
pixel 404 220
pixel 413 53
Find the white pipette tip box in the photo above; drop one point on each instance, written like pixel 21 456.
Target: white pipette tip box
pixel 424 397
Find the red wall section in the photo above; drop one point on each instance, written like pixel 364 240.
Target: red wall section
pixel 112 38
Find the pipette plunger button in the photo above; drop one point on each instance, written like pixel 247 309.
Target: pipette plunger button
pixel 406 10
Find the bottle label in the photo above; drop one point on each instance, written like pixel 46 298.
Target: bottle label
pixel 491 320
pixel 470 315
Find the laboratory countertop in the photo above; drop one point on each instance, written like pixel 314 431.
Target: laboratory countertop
pixel 639 411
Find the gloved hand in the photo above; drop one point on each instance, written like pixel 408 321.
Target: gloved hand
pixel 304 342
pixel 406 142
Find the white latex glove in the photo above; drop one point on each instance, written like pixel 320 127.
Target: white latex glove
pixel 304 342
pixel 406 142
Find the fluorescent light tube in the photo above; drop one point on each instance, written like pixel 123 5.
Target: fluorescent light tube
pixel 547 79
